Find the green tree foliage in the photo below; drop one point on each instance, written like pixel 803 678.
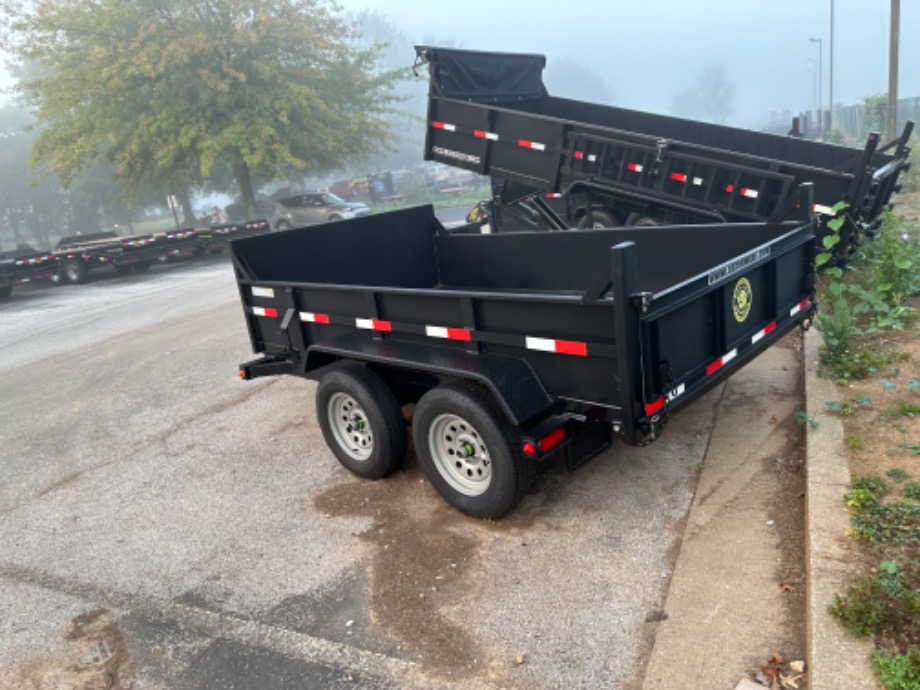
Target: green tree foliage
pixel 166 89
pixel 711 97
pixel 875 114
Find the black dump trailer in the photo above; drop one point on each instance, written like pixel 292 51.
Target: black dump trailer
pixel 513 346
pixel 490 113
pixel 22 265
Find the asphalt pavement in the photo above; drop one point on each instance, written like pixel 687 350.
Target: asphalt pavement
pixel 168 525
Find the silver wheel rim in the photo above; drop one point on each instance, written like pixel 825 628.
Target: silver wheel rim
pixel 350 426
pixel 460 455
pixel 72 272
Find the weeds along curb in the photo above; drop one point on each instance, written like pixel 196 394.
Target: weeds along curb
pixel 836 659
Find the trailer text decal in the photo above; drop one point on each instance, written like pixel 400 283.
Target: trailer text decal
pixel 456 155
pixel 738 265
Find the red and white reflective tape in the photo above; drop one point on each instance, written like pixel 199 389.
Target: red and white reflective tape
pixel 374 325
pixel 697 181
pixel 262 291
pixel 749 193
pixel 482 134
pixel 653 407
pixel 562 347
pixel 265 311
pixel 678 177
pixel 824 210
pixel 729 188
pixel 579 155
pixel 553 195
pixel 799 307
pixel 763 333
pixel 449 333
pixel 443 125
pixel 634 167
pixel 138 243
pixel 313 317
pixel 535 145
pixel 722 361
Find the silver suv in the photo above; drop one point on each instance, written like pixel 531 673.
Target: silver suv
pixel 307 209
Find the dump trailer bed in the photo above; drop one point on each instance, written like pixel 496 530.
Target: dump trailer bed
pixel 490 113
pixel 560 337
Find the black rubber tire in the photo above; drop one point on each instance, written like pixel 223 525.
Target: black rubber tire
pixel 335 217
pixel 511 475
pixel 282 225
pixel 384 418
pixel 600 218
pixel 141 266
pixel 121 269
pixel 74 271
pixel 6 291
pixel 638 220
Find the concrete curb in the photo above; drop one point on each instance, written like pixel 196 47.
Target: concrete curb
pixel 836 659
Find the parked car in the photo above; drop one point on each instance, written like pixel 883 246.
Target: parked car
pixel 308 209
pixel 236 212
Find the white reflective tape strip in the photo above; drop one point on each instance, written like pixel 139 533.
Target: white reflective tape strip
pixel 543 344
pixel 436 332
pixel 260 311
pixel 750 193
pixel 757 337
pixel 729 356
pixel 367 324
pixel 825 210
pixel 797 308
pixel 537 146
pixel 592 158
pixel 698 181
pixel 676 393
pixel 262 292
pixel 635 167
pixel 310 317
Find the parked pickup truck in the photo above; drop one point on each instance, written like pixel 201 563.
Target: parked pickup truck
pixel 513 346
pixel 490 113
pixel 23 265
pixel 79 254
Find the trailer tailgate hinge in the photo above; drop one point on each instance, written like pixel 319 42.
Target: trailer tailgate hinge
pixel 642 300
pixel 661 146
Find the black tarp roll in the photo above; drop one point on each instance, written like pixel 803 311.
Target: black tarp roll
pixel 484 77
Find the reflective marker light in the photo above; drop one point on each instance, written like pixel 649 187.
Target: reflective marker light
pixel 529 448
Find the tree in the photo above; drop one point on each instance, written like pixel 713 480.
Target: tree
pixel 711 97
pixel 165 89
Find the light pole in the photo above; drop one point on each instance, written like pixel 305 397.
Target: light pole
pixel 820 77
pixel 813 71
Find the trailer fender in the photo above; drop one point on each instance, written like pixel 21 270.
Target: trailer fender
pixel 513 383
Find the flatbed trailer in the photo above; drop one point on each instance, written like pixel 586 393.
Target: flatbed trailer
pixel 513 346
pixel 216 238
pixel 490 113
pixel 24 265
pixel 79 254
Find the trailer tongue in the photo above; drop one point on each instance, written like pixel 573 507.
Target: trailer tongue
pixel 513 346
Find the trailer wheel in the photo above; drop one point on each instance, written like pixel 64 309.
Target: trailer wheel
pixel 639 220
pixel 469 453
pixel 599 219
pixel 361 421
pixel 74 271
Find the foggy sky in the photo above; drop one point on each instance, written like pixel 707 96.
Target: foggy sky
pixel 650 50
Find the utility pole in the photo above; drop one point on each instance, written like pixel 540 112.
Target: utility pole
pixel 830 117
pixel 893 68
pixel 820 85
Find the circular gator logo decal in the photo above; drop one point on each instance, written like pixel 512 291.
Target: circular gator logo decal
pixel 741 300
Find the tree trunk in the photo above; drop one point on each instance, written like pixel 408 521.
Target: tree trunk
pixel 188 213
pixel 244 182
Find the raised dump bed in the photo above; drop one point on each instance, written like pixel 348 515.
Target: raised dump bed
pixel 513 346
pixel 490 113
